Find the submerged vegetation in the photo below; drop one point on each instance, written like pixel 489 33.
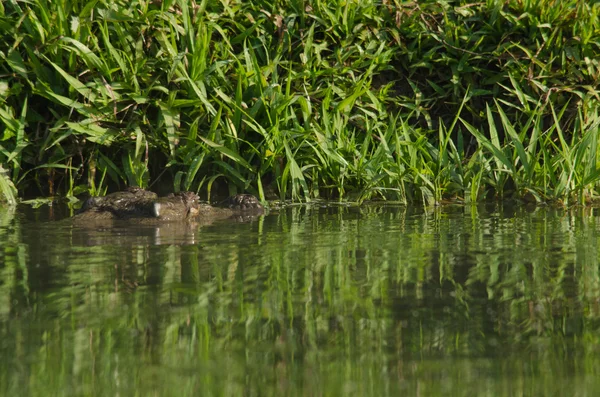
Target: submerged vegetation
pixel 409 101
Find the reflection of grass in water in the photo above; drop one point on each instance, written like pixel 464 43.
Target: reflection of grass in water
pixel 360 300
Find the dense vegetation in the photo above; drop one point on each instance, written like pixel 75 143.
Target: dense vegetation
pixel 410 101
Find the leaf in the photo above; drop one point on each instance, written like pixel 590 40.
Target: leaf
pixel 172 124
pixel 227 152
pixel 16 63
pixel 91 59
pixel 93 131
pixel 73 82
pixel 508 127
pixel 499 156
pixel 296 174
pixel 193 170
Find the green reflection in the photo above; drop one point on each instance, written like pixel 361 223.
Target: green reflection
pixel 371 300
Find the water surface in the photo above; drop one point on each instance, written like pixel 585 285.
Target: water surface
pixel 308 300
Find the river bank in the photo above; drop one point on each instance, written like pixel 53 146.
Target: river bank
pixel 412 102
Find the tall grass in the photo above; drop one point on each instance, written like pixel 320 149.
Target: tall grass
pixel 304 99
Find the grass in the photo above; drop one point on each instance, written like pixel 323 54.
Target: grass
pixel 409 101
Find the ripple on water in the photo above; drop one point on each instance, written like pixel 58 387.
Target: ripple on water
pixel 369 300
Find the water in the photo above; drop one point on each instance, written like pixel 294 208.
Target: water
pixel 311 301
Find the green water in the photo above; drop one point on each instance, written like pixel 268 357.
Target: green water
pixel 310 301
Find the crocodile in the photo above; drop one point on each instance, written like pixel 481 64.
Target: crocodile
pixel 139 205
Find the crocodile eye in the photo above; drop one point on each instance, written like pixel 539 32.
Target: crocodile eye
pixel 156 210
pixel 89 203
